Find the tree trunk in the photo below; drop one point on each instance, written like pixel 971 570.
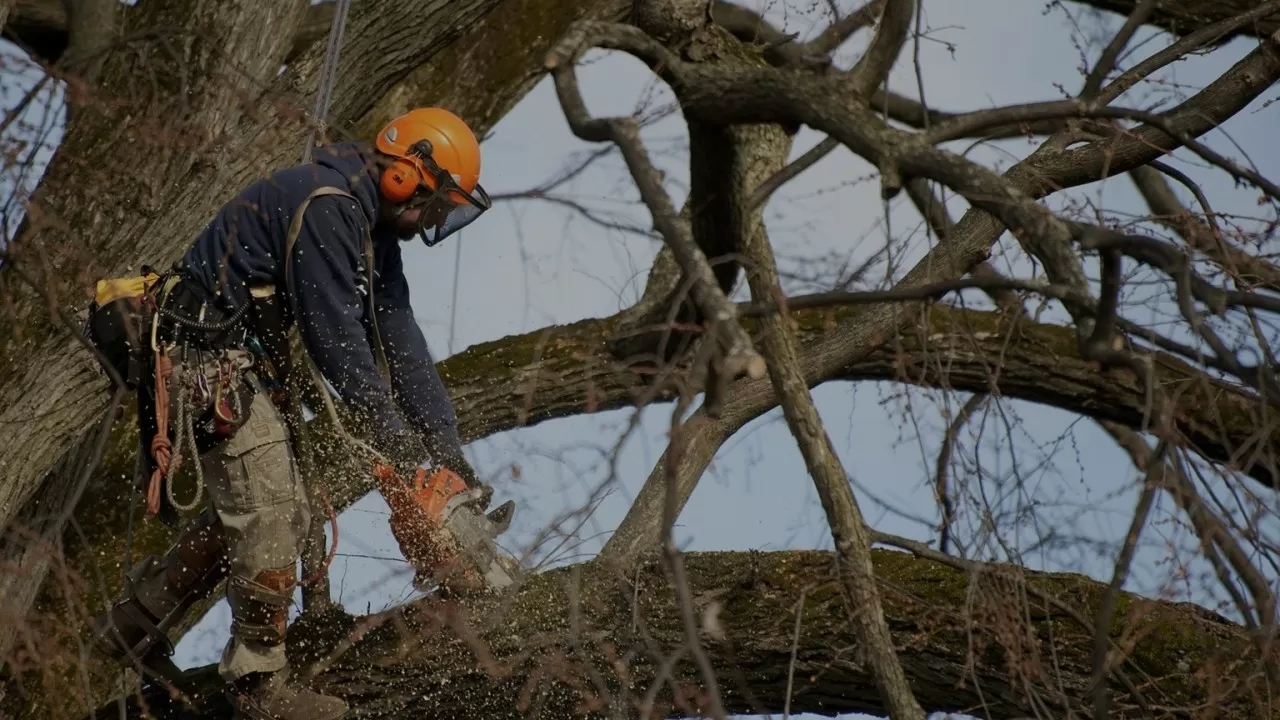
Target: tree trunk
pixel 984 642
pixel 192 141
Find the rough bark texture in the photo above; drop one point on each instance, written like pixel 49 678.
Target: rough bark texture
pixel 1184 16
pixel 178 122
pixel 41 25
pixel 5 7
pixel 980 645
pixel 52 384
pixel 41 28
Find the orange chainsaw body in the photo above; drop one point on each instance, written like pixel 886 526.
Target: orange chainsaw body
pixel 417 523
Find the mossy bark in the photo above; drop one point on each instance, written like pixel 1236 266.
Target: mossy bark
pixel 978 644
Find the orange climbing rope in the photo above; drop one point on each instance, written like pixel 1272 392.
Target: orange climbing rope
pixel 161 447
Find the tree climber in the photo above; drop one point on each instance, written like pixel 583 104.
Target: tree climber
pixel 316 246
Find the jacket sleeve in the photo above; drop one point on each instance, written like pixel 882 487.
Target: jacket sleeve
pixel 329 292
pixel 420 392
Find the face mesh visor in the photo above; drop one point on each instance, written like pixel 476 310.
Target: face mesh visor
pixel 460 215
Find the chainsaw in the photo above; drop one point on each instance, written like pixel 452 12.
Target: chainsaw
pixel 446 531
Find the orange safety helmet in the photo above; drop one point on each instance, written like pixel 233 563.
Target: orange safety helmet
pixel 436 157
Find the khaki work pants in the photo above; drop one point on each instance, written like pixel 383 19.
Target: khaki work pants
pixel 256 490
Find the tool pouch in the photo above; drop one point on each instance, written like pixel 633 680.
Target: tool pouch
pixel 116 326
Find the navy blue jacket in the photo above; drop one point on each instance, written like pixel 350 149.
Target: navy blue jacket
pixel 243 246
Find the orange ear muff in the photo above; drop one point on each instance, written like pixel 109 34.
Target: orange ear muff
pixel 400 181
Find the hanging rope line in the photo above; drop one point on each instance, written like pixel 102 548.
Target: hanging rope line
pixel 324 96
pixel 328 75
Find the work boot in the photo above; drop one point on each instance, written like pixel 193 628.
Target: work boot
pixel 259 618
pixel 159 592
pixel 270 696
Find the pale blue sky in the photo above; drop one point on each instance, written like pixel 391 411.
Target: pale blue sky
pixel 528 264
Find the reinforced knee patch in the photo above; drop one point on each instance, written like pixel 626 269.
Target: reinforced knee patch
pixel 260 605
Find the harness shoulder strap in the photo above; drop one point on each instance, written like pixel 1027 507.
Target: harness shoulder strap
pixel 295 228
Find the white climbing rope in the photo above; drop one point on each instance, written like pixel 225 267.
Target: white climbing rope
pixel 328 75
pixel 186 431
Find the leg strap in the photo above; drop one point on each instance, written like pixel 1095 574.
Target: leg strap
pixel 260 606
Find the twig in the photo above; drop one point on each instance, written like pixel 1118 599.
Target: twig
pixel 795 645
pixel 1107 61
pixel 810 158
pixel 941 493
pixel 1154 468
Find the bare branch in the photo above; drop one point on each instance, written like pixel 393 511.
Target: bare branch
pixel 1107 61
pixel 837 32
pixel 941 492
pixel 848 529
pixel 1212 531
pixel 740 357
pixel 872 69
pixel 1152 464
pixel 1203 236
pixel 966 125
pixel 791 171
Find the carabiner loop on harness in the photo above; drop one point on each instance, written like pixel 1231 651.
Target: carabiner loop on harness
pixel 225 372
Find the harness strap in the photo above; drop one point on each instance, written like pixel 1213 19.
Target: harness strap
pixel 295 228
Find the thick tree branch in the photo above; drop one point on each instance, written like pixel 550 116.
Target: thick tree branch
pixel 432 660
pixel 42 27
pixel 1183 17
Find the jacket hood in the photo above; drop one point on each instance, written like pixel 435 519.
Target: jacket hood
pixel 354 161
